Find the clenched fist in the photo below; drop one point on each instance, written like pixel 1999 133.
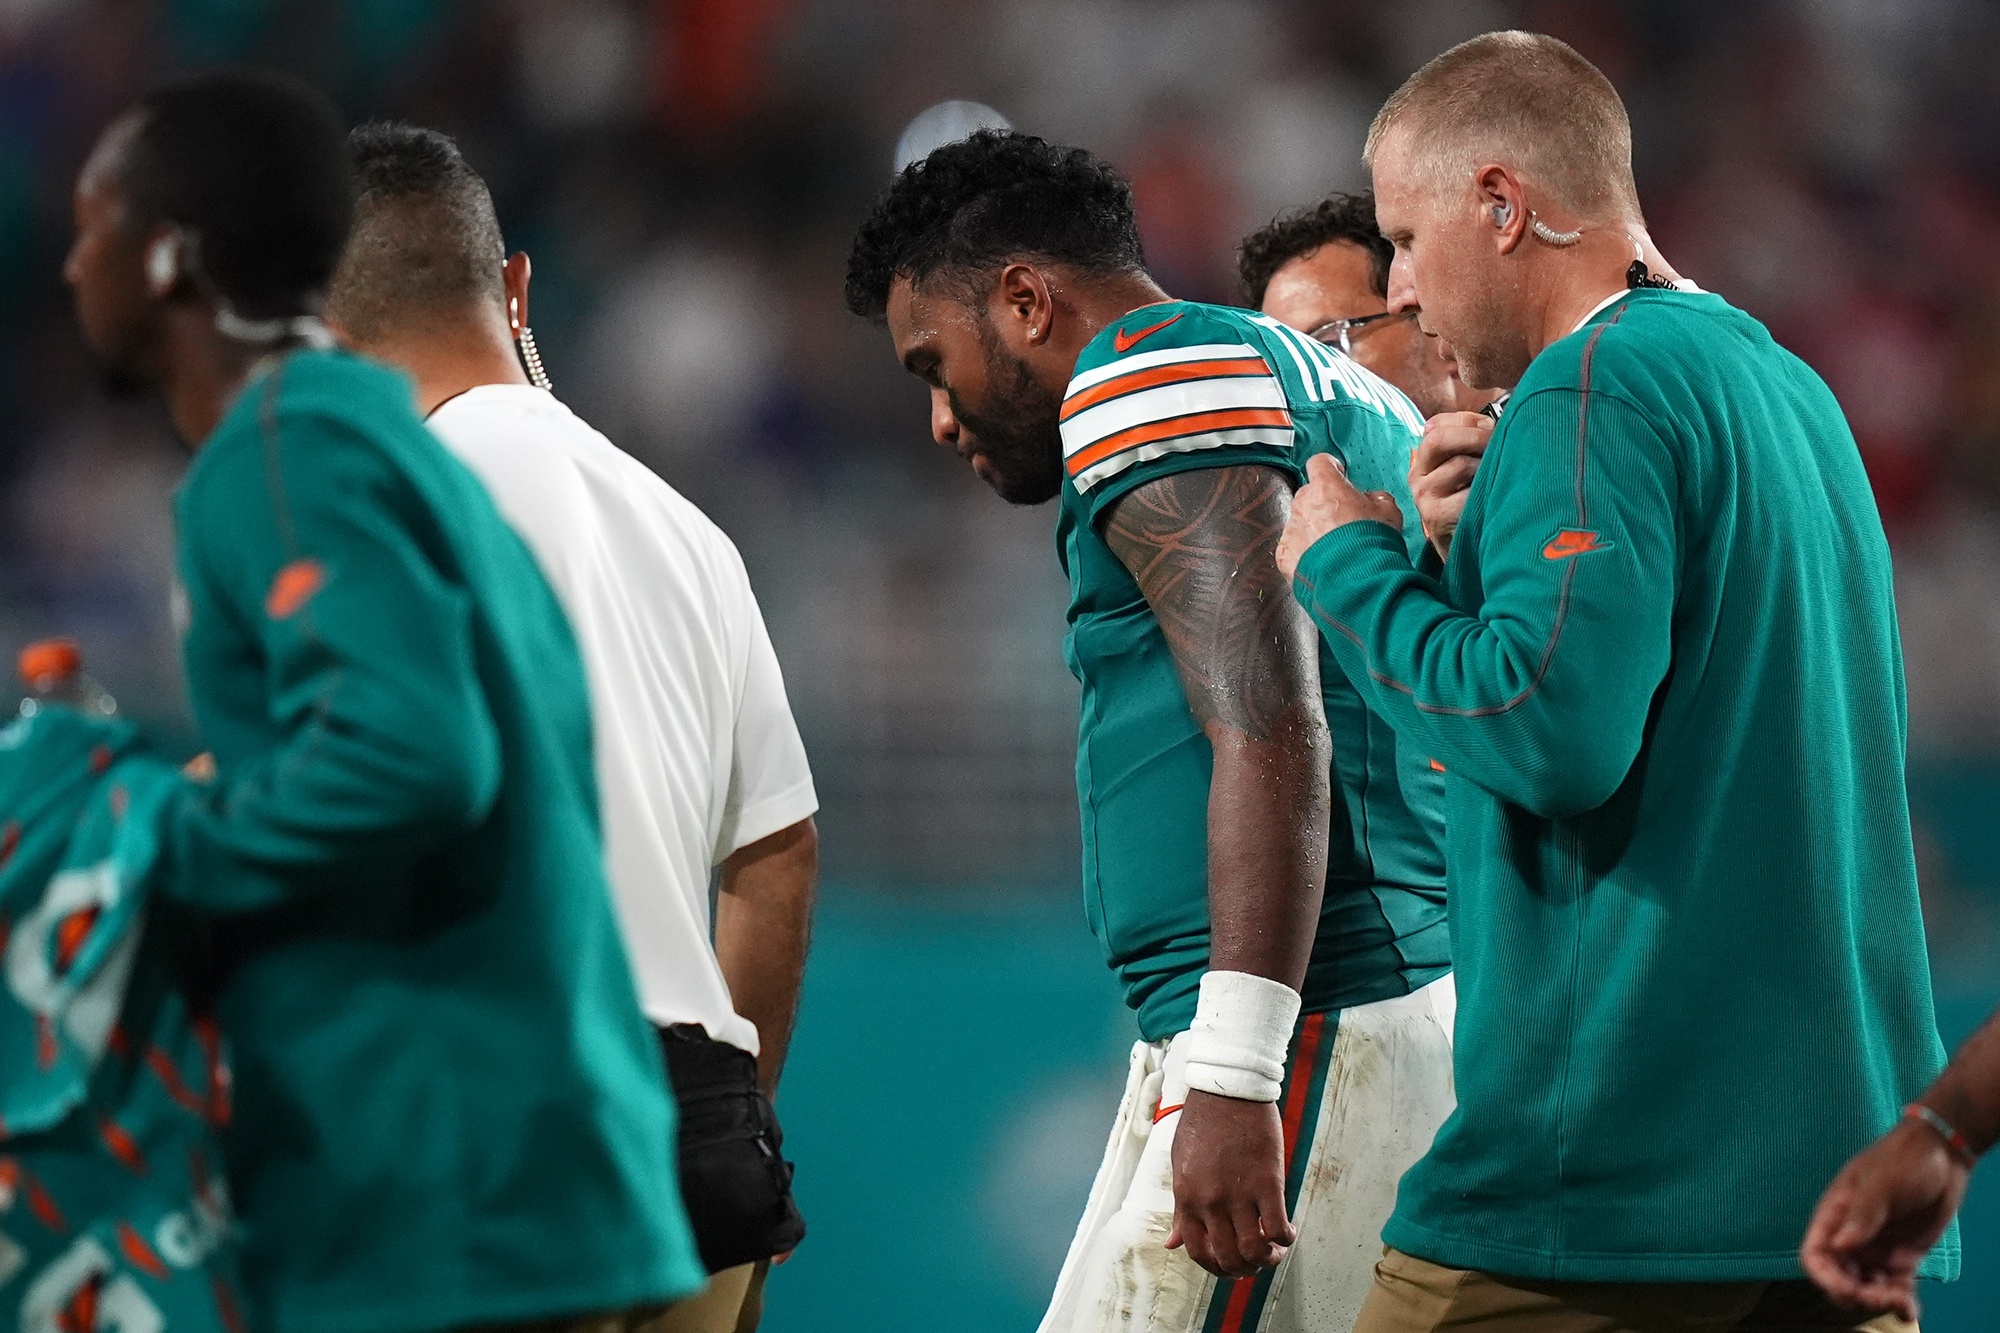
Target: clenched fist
pixel 1229 1186
pixel 1329 501
pixel 1441 471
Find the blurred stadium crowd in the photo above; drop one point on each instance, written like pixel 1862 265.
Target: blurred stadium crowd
pixel 687 173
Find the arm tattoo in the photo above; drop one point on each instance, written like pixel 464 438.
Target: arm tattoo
pixel 1201 546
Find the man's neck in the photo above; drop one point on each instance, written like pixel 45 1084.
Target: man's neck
pixel 1581 280
pixel 449 357
pixel 1106 303
pixel 202 372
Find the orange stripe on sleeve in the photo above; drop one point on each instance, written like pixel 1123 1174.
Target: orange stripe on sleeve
pixel 1152 379
pixel 1236 418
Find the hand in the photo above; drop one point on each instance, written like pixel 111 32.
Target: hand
pixel 1329 501
pixel 1229 1185
pixel 1880 1217
pixel 1441 471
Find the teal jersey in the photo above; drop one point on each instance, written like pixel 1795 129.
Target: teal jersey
pixel 1663 671
pixel 450 1110
pixel 1170 388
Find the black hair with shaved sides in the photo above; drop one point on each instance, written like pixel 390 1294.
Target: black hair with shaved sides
pixel 252 167
pixel 974 205
pixel 426 243
pixel 1338 217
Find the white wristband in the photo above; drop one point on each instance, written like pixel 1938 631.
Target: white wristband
pixel 1241 1035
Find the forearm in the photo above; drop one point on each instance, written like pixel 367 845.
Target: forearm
pixel 1267 831
pixel 289 824
pixel 763 926
pixel 1967 1094
pixel 384 747
pixel 1541 701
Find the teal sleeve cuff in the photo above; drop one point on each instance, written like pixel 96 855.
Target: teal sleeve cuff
pixel 1333 578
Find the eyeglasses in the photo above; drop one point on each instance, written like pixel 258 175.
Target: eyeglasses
pixel 1340 332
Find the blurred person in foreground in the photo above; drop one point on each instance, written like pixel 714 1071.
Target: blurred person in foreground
pixel 1662 674
pixel 1266 932
pixel 1889 1206
pixel 1324 270
pixel 699 763
pixel 448 1109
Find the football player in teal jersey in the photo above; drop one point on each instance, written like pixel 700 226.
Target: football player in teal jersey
pixel 1257 863
pixel 1662 668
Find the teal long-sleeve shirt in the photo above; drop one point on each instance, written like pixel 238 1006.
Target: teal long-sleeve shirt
pixel 449 1109
pixel 1662 674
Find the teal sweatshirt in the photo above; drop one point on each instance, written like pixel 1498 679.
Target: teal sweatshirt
pixel 1663 675
pixel 449 1110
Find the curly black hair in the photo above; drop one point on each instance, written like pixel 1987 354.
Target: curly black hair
pixel 1338 217
pixel 974 204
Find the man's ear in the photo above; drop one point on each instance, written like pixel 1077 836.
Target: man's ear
pixel 1023 305
pixel 514 275
pixel 1504 204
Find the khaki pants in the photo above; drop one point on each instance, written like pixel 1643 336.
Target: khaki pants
pixel 1413 1295
pixel 732 1302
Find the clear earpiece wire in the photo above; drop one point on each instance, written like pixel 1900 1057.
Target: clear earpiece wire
pixel 1549 235
pixel 531 359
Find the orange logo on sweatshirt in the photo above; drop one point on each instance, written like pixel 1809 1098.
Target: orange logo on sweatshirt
pixel 293 588
pixel 1572 541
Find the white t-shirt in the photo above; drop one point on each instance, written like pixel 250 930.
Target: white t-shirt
pixel 697 752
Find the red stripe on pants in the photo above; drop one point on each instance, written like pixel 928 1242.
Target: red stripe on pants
pixel 1311 1032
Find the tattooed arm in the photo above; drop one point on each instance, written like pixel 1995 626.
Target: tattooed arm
pixel 1201 546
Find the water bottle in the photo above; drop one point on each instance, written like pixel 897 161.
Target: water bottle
pixel 52 670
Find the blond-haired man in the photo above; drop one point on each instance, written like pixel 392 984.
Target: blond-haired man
pixel 1662 675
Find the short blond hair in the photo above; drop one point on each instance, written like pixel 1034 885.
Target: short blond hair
pixel 1525 100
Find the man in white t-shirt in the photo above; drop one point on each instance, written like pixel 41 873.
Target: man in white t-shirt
pixel 699 762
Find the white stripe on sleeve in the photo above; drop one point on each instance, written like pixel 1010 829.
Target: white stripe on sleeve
pixel 1166 402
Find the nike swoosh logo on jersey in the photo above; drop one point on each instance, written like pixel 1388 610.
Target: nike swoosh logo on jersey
pixel 1572 541
pixel 1124 342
